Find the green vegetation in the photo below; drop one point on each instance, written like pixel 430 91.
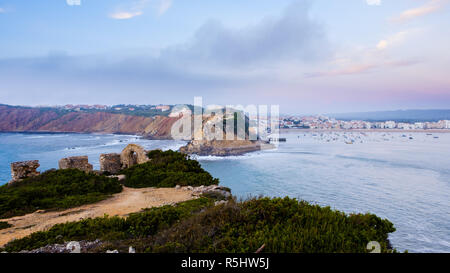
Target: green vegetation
pixel 4 225
pixel 138 225
pixel 55 189
pixel 281 224
pixel 167 169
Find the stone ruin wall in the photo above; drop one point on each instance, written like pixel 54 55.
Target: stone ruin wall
pixel 111 163
pixel 76 162
pixel 24 169
pixel 133 154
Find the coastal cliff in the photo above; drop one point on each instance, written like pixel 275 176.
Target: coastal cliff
pixel 223 147
pixel 55 120
pixel 30 119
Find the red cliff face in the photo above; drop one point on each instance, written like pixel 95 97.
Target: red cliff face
pixel 17 119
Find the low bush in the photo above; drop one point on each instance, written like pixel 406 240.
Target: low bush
pixel 281 224
pixel 167 169
pixel 55 189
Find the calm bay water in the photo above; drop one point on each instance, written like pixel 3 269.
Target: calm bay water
pixel 404 178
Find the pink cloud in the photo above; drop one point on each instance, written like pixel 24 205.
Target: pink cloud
pixel 430 7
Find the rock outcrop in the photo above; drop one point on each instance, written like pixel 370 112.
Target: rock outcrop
pixel 76 162
pixel 110 163
pixel 222 147
pixel 212 189
pixel 23 169
pixel 208 140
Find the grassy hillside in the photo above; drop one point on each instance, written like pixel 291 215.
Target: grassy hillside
pixel 55 189
pixel 281 224
pixel 62 189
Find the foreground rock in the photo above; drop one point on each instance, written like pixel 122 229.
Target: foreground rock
pixel 67 247
pixel 212 189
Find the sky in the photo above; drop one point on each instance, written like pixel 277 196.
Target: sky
pixel 307 56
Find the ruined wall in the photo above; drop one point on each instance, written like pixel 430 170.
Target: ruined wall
pixel 110 163
pixel 24 169
pixel 76 162
pixel 133 154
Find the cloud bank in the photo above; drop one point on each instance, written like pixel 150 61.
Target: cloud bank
pixel 293 37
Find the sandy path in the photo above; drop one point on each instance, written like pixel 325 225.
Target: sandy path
pixel 121 204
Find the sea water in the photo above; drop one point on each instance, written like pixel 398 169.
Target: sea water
pixel 404 177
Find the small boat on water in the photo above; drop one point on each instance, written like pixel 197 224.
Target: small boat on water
pixel 281 139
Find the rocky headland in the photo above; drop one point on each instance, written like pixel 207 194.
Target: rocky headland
pixel 224 147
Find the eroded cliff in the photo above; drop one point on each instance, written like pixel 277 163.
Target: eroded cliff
pixel 28 119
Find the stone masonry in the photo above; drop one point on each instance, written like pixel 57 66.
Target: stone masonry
pixel 76 162
pixel 133 154
pixel 110 163
pixel 24 169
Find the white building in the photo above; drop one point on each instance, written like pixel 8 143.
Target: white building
pixel 419 125
pixel 389 124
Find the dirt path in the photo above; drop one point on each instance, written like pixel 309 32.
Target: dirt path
pixel 121 204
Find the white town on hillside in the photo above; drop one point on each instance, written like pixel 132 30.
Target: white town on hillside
pixel 323 122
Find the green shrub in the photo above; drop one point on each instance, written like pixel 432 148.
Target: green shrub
pixel 281 224
pixel 55 189
pixel 167 169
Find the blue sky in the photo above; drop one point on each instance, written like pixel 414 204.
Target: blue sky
pixel 316 56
